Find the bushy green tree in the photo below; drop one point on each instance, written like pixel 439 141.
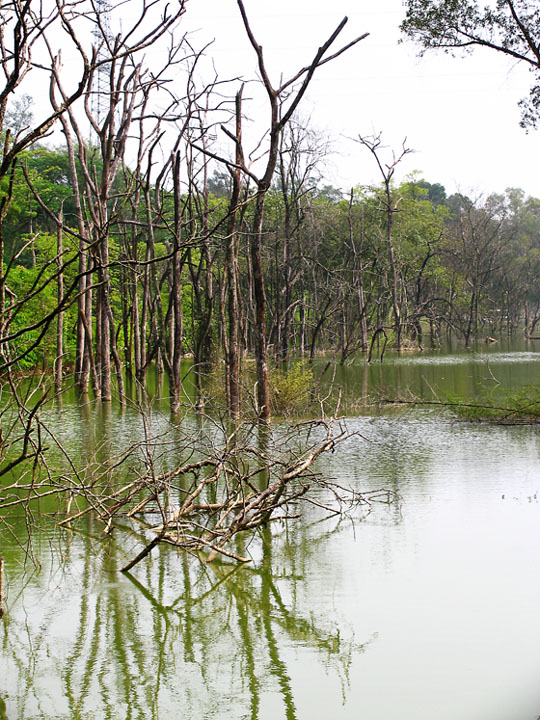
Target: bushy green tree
pixel 511 27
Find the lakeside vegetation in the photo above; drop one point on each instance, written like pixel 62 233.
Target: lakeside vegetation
pixel 207 358
pixel 463 267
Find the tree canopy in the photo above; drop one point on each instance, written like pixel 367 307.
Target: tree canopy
pixel 511 27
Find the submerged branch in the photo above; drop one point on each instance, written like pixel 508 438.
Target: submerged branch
pixel 247 488
pixel 224 484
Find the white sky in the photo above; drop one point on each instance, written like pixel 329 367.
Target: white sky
pixel 460 115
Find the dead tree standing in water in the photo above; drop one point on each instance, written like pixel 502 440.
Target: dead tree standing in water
pixel 283 102
pixel 389 206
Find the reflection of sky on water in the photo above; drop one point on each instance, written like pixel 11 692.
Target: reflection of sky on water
pixel 465 359
pixel 425 610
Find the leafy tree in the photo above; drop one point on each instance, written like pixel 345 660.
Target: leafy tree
pixel 419 231
pixel 219 184
pixel 511 27
pixel 45 172
pixel 435 192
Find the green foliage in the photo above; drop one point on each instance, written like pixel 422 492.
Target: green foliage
pixel 21 281
pixel 33 291
pixel 465 267
pixel 290 388
pixel 508 27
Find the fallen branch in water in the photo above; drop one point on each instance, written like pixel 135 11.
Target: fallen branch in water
pixel 224 484
pixel 244 488
pixel 253 479
pixel 519 410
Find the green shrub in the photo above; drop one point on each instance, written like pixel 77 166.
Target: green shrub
pixel 290 389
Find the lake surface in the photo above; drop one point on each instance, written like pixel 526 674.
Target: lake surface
pixel 422 609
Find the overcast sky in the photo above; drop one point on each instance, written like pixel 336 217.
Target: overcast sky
pixel 459 115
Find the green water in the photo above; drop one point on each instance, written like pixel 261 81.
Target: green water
pixel 426 609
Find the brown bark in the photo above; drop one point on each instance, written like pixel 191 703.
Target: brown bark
pixel 233 354
pixel 389 206
pixel 279 117
pixel 175 340
pixel 358 271
pixel 58 365
pixel 261 351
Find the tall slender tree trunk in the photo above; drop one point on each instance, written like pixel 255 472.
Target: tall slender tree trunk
pixel 470 319
pixel 261 350
pixel 83 347
pixel 359 272
pixel 302 334
pixel 175 376
pixel 393 268
pixel 103 335
pixel 58 365
pixel 286 295
pixel 233 355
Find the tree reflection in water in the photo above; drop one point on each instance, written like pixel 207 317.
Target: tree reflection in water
pixel 175 638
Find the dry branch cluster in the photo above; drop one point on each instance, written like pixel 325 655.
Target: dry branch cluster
pixel 250 480
pixel 225 485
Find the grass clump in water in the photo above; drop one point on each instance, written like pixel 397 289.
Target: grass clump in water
pixel 291 388
pixel 501 406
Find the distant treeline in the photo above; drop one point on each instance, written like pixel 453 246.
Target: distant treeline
pixel 457 265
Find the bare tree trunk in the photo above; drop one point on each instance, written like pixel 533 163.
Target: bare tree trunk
pixel 103 334
pixel 302 335
pixel 83 346
pixel 470 318
pixel 279 118
pixel 148 275
pixel 358 272
pixel 175 375
pixel 233 355
pixel 394 273
pixel 261 351
pixel 58 369
pixel 128 297
pixel 390 206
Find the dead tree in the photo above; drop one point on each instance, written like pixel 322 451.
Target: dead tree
pixel 357 250
pixel 229 485
pixel 389 206
pixel 200 229
pixel 301 154
pixel 99 205
pixel 283 101
pixel 24 33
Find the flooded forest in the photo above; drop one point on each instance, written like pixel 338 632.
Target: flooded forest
pixel 268 447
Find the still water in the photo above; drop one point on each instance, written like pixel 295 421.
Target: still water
pixel 424 609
